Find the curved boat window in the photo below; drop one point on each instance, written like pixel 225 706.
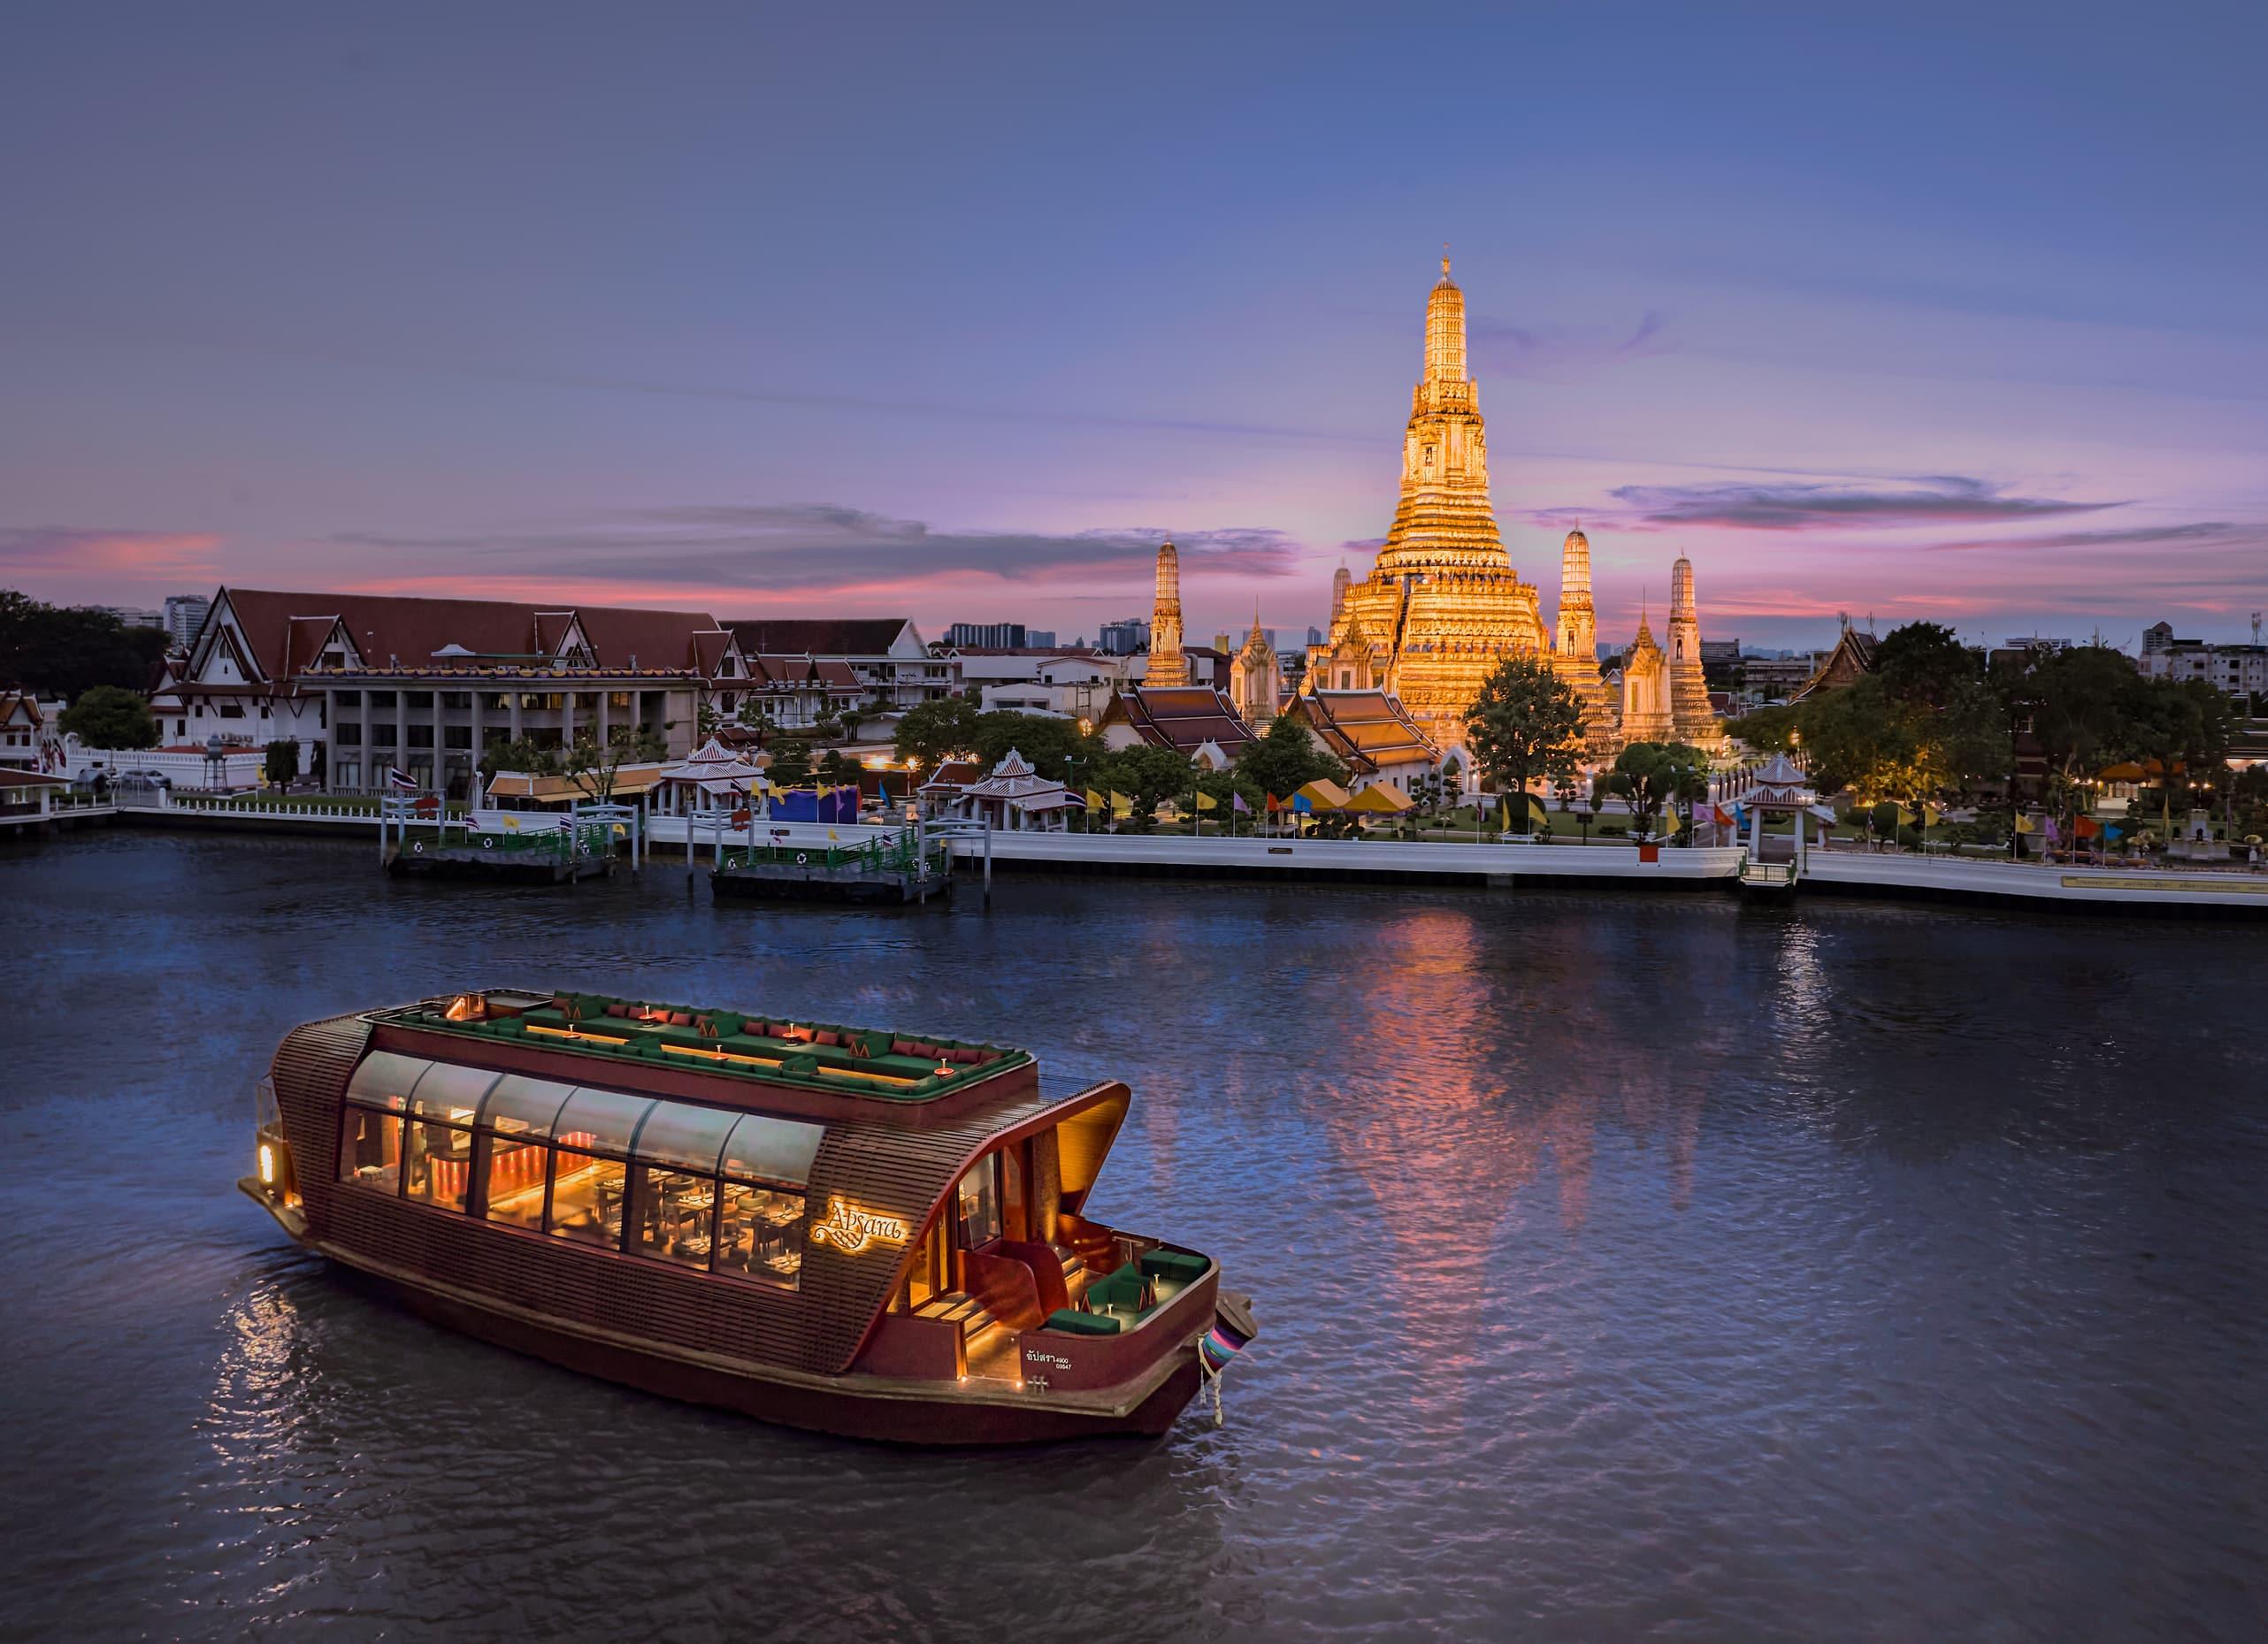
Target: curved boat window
pixel 760 1223
pixel 600 1121
pixel 437 1162
pixel 517 1105
pixel 449 1090
pixel 689 1138
pixel 772 1150
pixel 586 1186
pixel 370 1151
pixel 516 1115
pixel 385 1079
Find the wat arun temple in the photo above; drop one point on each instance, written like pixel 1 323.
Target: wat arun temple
pixel 1442 605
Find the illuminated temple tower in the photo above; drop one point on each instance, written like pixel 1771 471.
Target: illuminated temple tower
pixel 1648 696
pixel 1256 679
pixel 1169 662
pixel 1441 604
pixel 1688 690
pixel 1574 650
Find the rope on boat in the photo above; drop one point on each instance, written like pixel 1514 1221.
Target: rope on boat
pixel 1220 1417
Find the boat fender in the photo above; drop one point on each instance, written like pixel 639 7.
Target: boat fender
pixel 488 845
pixel 417 848
pixel 803 859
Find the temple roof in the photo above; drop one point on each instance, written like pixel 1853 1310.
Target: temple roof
pixel 1181 717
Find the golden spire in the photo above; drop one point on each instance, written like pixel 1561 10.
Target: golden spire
pixel 1168 664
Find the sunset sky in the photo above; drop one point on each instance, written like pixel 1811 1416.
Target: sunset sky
pixel 954 312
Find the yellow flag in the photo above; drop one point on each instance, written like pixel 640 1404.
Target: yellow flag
pixel 1504 816
pixel 832 834
pixel 1207 802
pixel 1120 804
pixel 1931 815
pixel 2025 824
pixel 1095 801
pixel 1906 818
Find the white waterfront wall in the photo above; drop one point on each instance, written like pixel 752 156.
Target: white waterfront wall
pixel 2029 882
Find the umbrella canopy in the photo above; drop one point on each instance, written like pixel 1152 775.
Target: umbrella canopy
pixel 1380 799
pixel 2124 771
pixel 1323 794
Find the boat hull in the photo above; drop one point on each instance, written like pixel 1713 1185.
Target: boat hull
pixel 875 1408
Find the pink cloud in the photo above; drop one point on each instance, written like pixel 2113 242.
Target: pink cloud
pixel 78 552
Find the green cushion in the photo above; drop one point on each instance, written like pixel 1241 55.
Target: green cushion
pixel 1081 1324
pixel 1179 1265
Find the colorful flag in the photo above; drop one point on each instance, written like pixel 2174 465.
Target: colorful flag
pixel 1931 815
pixel 1095 801
pixel 1207 802
pixel 2053 837
pixel 2087 828
pixel 1120 804
pixel 1219 1344
pixel 1906 818
pixel 2025 824
pixel 1237 802
pixel 400 780
pixel 1274 804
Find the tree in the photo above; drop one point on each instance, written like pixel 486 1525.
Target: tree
pixel 1525 722
pixel 791 764
pixel 1924 665
pixel 1857 737
pixel 1765 730
pixel 1047 742
pixel 933 732
pixel 835 769
pixel 2182 727
pixel 1146 774
pixel 1653 775
pixel 2084 700
pixel 527 757
pixel 593 766
pixel 109 717
pixel 1286 760
pixel 61 651
pixel 282 762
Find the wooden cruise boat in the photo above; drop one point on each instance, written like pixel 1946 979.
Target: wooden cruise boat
pixel 850 1230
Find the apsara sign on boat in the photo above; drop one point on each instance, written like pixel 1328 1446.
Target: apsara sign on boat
pixel 850 1229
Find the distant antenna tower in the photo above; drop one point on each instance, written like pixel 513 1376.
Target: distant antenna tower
pixel 2255 628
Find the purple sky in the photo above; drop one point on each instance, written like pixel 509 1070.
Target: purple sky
pixel 1951 313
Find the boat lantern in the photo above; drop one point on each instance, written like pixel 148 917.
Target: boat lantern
pixel 267 1166
pixel 467 1008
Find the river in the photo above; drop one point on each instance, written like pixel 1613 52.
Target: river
pixel 1629 1266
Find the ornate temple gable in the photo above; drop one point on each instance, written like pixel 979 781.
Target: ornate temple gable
pixel 1852 658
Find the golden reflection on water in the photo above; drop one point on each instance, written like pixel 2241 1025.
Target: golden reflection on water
pixel 1460 1108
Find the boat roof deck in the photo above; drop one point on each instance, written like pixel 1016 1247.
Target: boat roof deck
pixel 870 1063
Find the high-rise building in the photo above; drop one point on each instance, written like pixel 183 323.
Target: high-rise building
pixel 1040 638
pixel 1169 665
pixel 1442 605
pixel 1124 638
pixel 992 635
pixel 185 614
